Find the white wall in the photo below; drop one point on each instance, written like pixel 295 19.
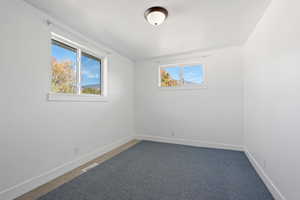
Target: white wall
pixel 272 97
pixel 37 135
pixel 204 116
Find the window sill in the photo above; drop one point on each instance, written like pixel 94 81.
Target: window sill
pixel 184 88
pixel 76 98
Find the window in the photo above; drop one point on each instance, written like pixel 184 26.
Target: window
pixel 183 75
pixel 76 71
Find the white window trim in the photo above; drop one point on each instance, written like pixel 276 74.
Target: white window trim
pixel 78 96
pixel 184 87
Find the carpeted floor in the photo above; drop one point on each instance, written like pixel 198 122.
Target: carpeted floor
pixel 157 171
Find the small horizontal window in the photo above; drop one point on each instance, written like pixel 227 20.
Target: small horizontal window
pixel 176 76
pixel 75 70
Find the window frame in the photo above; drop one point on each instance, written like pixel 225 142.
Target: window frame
pixel 78 96
pixel 203 85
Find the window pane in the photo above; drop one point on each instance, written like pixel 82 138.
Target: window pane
pixel 170 77
pixel 193 75
pixel 63 68
pixel 90 74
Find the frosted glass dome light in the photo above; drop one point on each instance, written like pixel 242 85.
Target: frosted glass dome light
pixel 156 15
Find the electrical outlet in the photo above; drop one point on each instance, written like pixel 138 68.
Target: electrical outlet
pixel 173 133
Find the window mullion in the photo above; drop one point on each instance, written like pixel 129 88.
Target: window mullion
pixel 181 75
pixel 78 71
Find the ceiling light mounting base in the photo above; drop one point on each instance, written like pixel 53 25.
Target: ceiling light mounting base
pixel 156 15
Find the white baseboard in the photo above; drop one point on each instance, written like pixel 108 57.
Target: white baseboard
pixel 32 183
pixel 263 175
pixel 196 143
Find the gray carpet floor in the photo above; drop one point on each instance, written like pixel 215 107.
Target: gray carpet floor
pixel 158 171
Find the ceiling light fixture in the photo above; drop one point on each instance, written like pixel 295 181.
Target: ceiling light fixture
pixel 156 15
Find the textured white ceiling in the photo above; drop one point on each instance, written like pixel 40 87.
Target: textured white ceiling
pixel 192 24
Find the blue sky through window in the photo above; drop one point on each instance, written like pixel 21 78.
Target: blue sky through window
pixel 90 71
pixel 191 73
pixel 63 54
pixel 174 72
